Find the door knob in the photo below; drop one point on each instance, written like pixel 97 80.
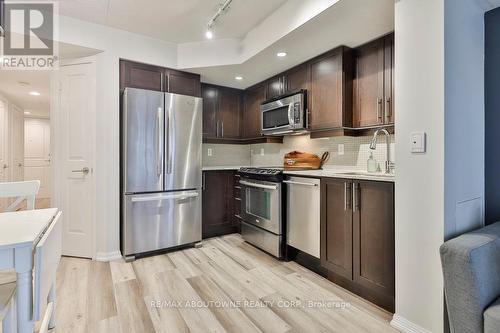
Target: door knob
pixel 5 166
pixel 85 171
pixel 19 164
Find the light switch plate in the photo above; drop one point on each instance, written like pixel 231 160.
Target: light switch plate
pixel 418 144
pixel 209 152
pixel 341 149
pixel 261 151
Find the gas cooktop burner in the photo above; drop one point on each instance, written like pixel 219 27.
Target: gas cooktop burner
pixel 270 174
pixel 262 171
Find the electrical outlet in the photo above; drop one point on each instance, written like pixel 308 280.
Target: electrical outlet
pixel 341 149
pixel 261 151
pixel 210 152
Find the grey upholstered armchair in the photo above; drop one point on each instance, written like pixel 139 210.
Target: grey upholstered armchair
pixel 471 269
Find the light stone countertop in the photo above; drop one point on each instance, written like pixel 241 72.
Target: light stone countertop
pixel 226 167
pixel 333 173
pixel 346 174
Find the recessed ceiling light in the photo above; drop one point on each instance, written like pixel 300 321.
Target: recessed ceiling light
pixel 239 78
pixel 281 54
pixel 27 112
pixel 209 34
pixel 34 93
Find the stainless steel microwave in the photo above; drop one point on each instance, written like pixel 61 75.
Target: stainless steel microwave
pixel 284 115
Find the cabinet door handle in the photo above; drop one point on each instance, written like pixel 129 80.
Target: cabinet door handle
pixel 203 181
pixel 356 205
pixel 388 110
pixel 379 110
pixel 347 196
pixel 222 129
pixel 217 129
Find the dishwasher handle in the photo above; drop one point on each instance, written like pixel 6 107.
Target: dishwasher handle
pixel 299 183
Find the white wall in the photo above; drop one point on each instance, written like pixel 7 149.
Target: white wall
pixel 439 90
pixel 419 98
pixel 115 44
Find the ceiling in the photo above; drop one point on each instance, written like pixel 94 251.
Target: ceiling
pixel 172 20
pixel 18 93
pixel 347 22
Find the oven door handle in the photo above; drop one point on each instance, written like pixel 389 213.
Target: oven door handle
pixel 266 187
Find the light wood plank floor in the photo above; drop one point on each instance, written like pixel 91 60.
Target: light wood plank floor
pixel 225 286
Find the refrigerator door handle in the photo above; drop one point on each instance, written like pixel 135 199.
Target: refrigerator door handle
pixel 169 140
pixel 166 197
pixel 159 164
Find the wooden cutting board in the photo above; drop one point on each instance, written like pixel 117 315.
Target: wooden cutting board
pixel 297 160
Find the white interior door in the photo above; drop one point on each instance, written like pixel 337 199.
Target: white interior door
pixel 17 143
pixel 4 147
pixel 37 153
pixel 74 138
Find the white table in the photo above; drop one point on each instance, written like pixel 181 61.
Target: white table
pixel 19 234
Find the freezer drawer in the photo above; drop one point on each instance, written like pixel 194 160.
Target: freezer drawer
pixel 303 214
pixel 161 220
pixel 262 239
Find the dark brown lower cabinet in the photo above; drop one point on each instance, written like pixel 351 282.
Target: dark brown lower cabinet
pixel 336 232
pixel 357 237
pixel 218 203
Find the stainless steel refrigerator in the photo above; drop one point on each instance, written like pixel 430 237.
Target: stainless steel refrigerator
pixel 161 171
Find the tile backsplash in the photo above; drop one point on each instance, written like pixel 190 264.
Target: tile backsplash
pixel 226 155
pixel 345 152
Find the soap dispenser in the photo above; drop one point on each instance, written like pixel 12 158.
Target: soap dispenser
pixel 371 164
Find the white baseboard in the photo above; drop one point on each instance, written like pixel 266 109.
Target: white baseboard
pixel 406 326
pixel 108 256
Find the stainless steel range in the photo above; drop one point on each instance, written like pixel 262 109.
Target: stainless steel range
pixel 262 209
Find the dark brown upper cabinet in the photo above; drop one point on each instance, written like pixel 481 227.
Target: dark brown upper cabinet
pixel 373 84
pixel 253 98
pixel 222 112
pixel 298 78
pixel 210 95
pixel 275 86
pixel 357 237
pixel 143 76
pixel 183 83
pixel 291 80
pixel 230 112
pixel 389 79
pixel 330 93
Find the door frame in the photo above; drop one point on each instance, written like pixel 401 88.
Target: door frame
pixel 56 136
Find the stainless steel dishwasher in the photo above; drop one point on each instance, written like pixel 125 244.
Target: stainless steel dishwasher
pixel 303 214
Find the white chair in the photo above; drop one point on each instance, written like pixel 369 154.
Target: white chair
pixel 8 307
pixel 22 191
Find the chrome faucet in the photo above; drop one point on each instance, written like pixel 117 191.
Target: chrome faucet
pixel 389 165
